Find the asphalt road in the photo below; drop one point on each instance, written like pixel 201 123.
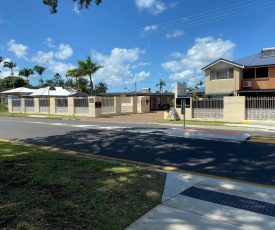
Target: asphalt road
pixel 247 161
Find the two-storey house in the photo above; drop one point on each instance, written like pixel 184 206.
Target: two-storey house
pixel 250 76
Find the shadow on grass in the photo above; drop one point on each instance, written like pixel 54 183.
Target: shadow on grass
pixel 42 189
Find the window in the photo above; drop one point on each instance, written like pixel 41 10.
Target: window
pixel 261 72
pixel 218 74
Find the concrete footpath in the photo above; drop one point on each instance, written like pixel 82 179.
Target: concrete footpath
pixel 193 202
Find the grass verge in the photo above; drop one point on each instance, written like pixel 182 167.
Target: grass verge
pixel 42 189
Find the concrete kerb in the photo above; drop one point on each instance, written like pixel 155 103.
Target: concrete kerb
pixel 209 136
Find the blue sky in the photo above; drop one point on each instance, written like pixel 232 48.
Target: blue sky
pixel 139 41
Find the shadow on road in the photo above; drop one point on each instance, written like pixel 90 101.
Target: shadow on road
pixel 252 162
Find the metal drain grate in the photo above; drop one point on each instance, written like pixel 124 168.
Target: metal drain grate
pixel 251 205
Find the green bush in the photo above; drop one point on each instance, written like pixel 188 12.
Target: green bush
pixel 3 106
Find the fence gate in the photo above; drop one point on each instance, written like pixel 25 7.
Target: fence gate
pixel 126 105
pixel 260 108
pixel 107 105
pixel 207 108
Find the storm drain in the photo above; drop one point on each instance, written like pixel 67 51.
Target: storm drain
pixel 247 204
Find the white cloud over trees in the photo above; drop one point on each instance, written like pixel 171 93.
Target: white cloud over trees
pixel 120 66
pixel 187 66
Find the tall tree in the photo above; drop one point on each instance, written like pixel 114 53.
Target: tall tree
pixel 75 73
pixel 26 73
pixel 81 4
pixel 88 68
pixel 101 88
pixel 1 59
pixel 199 85
pixel 40 70
pixel 11 65
pixel 11 82
pixel 160 85
pixel 57 80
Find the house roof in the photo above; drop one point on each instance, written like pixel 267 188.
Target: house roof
pixel 54 91
pixel 19 91
pixel 133 94
pixel 257 60
pixel 222 60
pixel 265 58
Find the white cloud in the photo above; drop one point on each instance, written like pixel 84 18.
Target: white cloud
pixel 19 50
pixel 176 55
pixel 150 28
pixel 50 42
pixel 59 67
pixel 47 59
pixel 153 6
pixel 204 51
pixel 141 76
pixel 176 33
pixel 43 57
pixel 186 74
pixel 173 4
pixel 76 9
pixel 173 66
pixel 118 66
pixel 64 51
pixel 141 64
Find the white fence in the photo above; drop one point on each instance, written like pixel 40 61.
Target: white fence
pixel 207 108
pixel 261 108
pixel 81 105
pixel 108 105
pixel 44 105
pixel 126 105
pixel 61 105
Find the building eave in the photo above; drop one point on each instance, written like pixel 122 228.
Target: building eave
pixel 222 60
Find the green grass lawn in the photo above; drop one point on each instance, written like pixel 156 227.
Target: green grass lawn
pixel 42 189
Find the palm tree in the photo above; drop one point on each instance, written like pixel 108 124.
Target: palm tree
pixel 160 85
pixel 101 88
pixel 199 85
pixel 40 70
pixel 76 73
pixel 26 73
pixel 88 68
pixel 11 65
pixel 1 60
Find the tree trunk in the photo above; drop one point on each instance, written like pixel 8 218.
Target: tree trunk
pixel 92 86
